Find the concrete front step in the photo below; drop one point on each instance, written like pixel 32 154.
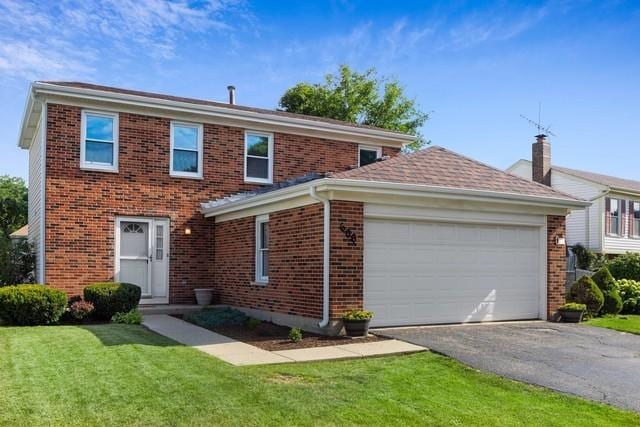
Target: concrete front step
pixel 170 308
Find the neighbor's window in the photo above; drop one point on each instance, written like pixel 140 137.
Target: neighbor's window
pixel 186 150
pixel 262 249
pixel 258 163
pixel 368 155
pixel 613 216
pixel 634 213
pixel 99 145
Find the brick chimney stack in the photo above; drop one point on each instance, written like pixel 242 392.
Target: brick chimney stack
pixel 541 160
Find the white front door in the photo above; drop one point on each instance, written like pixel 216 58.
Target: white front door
pixel 420 272
pixel 142 246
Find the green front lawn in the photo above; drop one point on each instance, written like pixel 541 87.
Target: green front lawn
pixel 623 323
pixel 125 375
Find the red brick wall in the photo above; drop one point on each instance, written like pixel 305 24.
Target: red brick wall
pixel 346 276
pixel 295 263
pixel 556 264
pixel 81 205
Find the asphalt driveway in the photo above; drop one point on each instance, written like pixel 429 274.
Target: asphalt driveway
pixel 595 363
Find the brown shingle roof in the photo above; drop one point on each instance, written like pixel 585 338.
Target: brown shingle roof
pixel 439 167
pixel 609 181
pixel 196 101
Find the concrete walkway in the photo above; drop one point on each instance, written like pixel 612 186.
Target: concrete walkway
pixel 239 354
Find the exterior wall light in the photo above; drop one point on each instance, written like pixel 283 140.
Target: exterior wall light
pixel 187 231
pixel 561 241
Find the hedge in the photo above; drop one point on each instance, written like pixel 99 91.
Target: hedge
pixel 110 298
pixel 24 305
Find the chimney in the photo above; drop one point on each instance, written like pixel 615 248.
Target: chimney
pixel 541 160
pixel 232 94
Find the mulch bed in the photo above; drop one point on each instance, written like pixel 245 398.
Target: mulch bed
pixel 272 337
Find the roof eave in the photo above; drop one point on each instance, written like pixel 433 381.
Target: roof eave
pixel 390 137
pixel 30 118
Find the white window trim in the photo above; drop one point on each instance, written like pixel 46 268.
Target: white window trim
pixel 268 180
pixel 636 230
pixel 260 279
pixel 621 225
pixel 375 148
pixel 181 174
pixel 83 141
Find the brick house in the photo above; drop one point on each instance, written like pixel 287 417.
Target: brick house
pixel 290 218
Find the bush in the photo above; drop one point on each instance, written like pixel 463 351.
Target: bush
pixel 607 284
pixel 211 317
pixel 357 315
pixel 573 306
pixel 17 262
pixel 111 298
pixel 132 317
pixel 253 324
pixel 80 309
pixel 586 292
pixel 584 256
pixel 629 291
pixel 612 303
pixel 604 280
pixel 31 304
pixel 626 266
pixel 295 334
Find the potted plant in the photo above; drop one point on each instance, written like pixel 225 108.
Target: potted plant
pixel 356 322
pixel 204 296
pixel 572 312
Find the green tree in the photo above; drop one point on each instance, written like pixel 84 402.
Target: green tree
pixel 361 98
pixel 13 205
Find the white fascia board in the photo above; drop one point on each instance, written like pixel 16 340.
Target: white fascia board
pixel 327 129
pixel 30 120
pixel 391 188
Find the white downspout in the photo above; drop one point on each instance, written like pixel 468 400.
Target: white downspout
pixel 325 255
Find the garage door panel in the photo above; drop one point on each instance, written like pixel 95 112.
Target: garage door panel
pixel 427 272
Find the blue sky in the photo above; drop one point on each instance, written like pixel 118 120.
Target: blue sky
pixel 477 65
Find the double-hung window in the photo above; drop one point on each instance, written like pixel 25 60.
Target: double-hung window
pixel 634 221
pixel 258 162
pixel 368 154
pixel 186 150
pixel 99 141
pixel 613 217
pixel 262 249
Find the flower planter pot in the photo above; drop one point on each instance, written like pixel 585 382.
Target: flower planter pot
pixel 357 328
pixel 571 316
pixel 204 296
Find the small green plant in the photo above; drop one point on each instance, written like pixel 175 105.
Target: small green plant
pixel 211 317
pixel 585 291
pixel 295 334
pixel 132 317
pixel 357 315
pixel 31 305
pixel 111 298
pixel 253 324
pixel 573 306
pixel 80 310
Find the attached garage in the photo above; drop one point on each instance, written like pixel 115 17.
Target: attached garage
pixel 465 269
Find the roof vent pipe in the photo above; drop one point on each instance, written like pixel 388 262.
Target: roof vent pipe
pixel 232 94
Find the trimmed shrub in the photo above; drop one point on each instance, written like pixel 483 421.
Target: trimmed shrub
pixel 31 305
pixel 607 284
pixel 604 280
pixel 111 298
pixel 132 317
pixel 295 334
pixel 210 317
pixel 612 303
pixel 626 266
pixel 586 292
pixel 629 291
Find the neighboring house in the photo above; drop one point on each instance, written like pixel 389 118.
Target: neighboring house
pixel 611 225
pixel 279 214
pixel 20 234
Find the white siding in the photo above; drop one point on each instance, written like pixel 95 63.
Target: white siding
pixel 620 245
pixel 36 171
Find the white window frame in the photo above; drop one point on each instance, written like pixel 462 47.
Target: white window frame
pixel 260 279
pixel 200 151
pixel 635 234
pixel 620 225
pixel 375 148
pixel 269 179
pixel 97 166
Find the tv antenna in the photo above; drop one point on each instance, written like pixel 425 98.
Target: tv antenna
pixel 542 130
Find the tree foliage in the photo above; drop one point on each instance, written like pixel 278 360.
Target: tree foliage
pixel 13 205
pixel 361 98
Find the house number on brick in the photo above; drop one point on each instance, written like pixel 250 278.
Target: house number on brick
pixel 349 233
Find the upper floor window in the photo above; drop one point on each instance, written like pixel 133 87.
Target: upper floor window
pixel 368 154
pixel 99 141
pixel 186 150
pixel 613 216
pixel 262 249
pixel 634 222
pixel 258 162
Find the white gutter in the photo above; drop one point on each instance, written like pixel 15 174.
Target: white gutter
pixel 326 253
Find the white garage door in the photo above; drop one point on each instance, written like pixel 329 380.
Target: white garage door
pixel 432 272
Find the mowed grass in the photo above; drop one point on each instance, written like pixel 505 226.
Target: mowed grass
pixel 125 375
pixel 623 323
